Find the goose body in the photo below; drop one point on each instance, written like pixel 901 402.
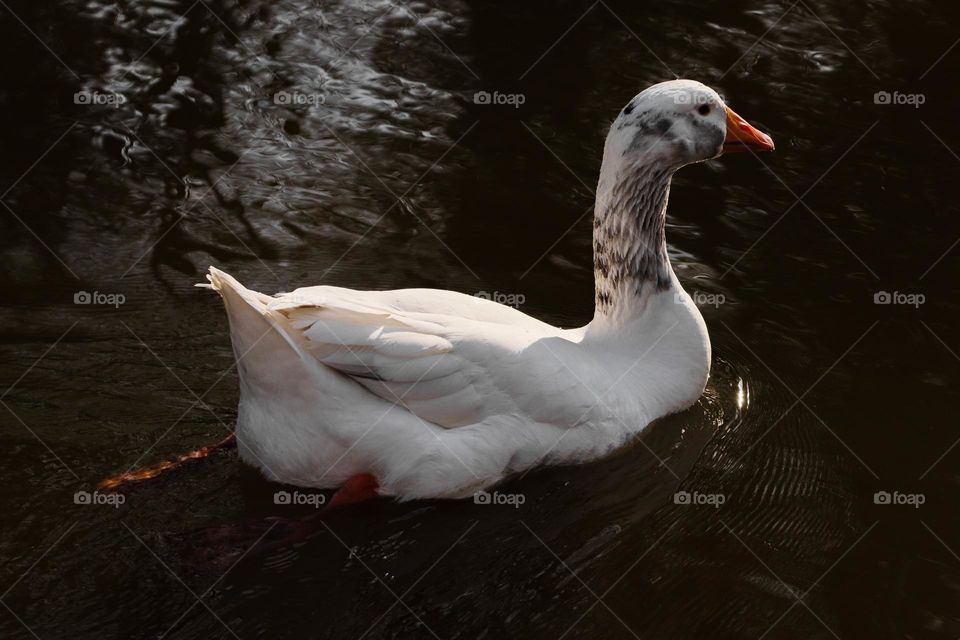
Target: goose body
pixel 438 394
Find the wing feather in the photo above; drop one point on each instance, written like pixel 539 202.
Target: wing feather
pixel 412 358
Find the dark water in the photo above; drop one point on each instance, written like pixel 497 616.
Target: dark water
pixel 385 173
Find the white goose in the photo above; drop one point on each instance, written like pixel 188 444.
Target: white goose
pixel 424 393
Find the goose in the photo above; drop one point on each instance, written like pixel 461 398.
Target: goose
pixel 426 393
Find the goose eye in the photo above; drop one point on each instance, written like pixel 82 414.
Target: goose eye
pixel 703 109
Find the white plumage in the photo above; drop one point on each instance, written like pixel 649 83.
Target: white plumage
pixel 440 394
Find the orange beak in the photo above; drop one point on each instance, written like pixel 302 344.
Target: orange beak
pixel 741 136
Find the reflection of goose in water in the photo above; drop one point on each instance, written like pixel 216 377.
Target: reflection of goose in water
pixel 422 393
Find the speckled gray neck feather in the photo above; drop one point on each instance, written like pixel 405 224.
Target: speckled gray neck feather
pixel 629 245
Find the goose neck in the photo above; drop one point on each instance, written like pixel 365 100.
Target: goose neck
pixel 629 245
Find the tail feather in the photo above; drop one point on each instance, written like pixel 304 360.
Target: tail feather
pixel 294 412
pixel 220 280
pixel 299 420
pixel 259 335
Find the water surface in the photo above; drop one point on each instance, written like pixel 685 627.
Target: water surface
pixel 379 170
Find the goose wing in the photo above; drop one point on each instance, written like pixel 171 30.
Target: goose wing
pixel 449 358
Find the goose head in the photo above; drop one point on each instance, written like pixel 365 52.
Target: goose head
pixel 661 129
pixel 675 123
